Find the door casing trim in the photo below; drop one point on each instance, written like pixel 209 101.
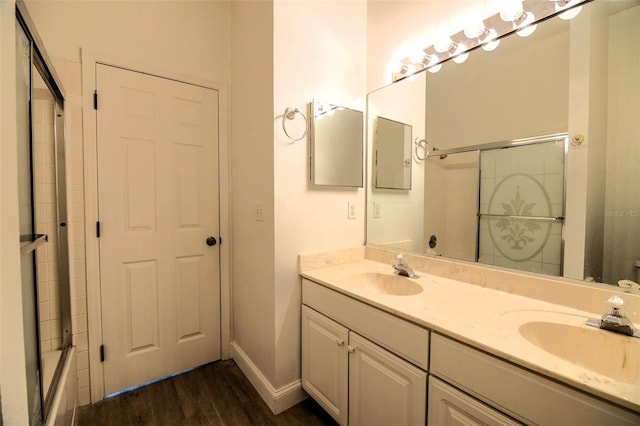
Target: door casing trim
pixel 89 132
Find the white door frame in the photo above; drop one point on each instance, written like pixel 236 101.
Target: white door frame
pixel 89 131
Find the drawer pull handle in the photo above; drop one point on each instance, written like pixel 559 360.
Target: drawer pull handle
pixel 351 349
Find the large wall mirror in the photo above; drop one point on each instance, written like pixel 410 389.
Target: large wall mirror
pixel 532 152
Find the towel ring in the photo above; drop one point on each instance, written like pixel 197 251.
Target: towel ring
pixel 290 114
pixel 424 145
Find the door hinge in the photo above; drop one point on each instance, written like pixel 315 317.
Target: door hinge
pixel 95 99
pixel 101 353
pixel 98 229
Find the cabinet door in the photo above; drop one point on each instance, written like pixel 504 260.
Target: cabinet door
pixel 450 407
pixel 383 388
pixel 325 363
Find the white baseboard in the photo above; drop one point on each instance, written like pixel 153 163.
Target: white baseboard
pixel 278 400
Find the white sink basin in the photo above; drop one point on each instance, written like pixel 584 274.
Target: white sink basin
pixel 604 352
pixel 389 284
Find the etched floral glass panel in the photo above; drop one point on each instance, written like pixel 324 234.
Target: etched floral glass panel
pixel 522 207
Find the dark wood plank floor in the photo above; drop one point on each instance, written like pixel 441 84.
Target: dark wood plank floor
pixel 215 394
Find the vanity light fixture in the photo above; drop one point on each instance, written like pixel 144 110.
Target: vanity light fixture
pixel 485 37
pixel 520 16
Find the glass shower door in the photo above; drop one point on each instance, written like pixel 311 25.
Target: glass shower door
pixel 29 241
pixel 43 228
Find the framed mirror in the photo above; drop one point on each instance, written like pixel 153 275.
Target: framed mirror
pixel 336 145
pixel 574 80
pixel 392 158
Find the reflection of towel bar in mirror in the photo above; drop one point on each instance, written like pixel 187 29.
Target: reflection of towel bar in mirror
pixel 421 144
pixel 29 243
pixel 506 216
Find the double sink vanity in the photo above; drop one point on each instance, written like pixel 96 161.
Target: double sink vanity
pixel 461 344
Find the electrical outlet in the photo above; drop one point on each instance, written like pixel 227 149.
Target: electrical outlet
pixel 259 212
pixel 352 210
pixel 376 210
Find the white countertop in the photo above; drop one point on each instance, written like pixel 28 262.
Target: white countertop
pixel 491 320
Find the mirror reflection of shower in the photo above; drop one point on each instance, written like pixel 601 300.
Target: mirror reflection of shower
pixel 500 203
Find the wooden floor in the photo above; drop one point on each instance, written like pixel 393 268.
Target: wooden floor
pixel 215 394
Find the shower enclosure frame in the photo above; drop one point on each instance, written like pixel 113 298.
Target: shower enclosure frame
pixel 40 62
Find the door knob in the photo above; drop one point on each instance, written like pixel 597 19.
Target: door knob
pixel 211 241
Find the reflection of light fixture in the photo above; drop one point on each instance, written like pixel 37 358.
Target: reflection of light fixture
pixel 491 46
pixel 434 69
pixel 570 14
pixel 324 109
pixel 458 59
pixel 527 31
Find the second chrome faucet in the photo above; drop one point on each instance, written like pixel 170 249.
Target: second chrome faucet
pixel 401 267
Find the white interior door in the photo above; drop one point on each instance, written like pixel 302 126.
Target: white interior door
pixel 157 142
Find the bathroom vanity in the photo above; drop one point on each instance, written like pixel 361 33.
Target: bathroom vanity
pixel 382 349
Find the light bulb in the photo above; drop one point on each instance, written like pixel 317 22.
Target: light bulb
pixel 475 30
pixel 444 45
pixel 418 57
pixel 512 11
pixel 461 58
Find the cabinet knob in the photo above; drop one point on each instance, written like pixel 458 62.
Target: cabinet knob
pixel 351 349
pixel 340 342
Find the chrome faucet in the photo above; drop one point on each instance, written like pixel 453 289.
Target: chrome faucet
pixel 403 268
pixel 614 319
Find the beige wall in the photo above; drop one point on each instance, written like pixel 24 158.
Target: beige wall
pixel 319 52
pixel 622 207
pixel 252 177
pixel 180 38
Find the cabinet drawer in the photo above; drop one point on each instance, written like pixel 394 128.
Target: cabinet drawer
pixel 521 394
pixel 408 340
pixel 449 406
